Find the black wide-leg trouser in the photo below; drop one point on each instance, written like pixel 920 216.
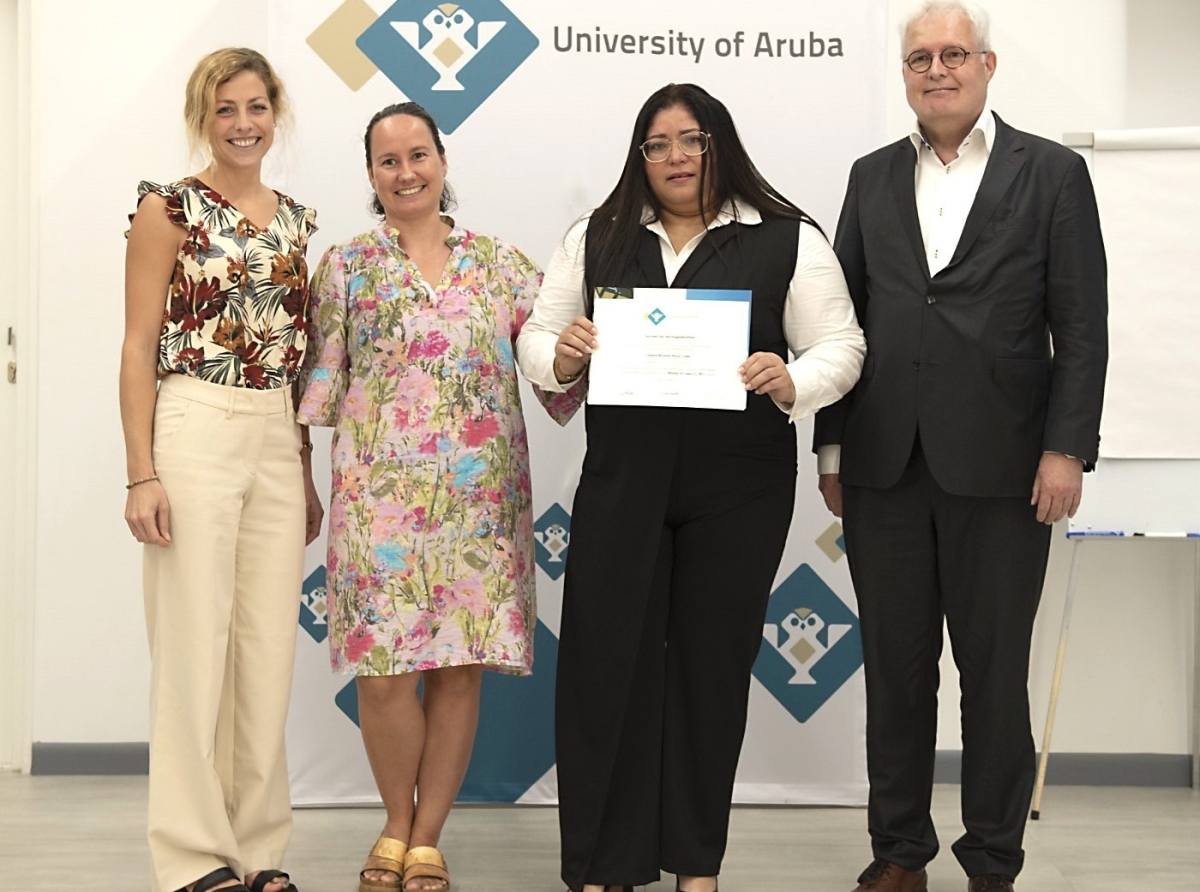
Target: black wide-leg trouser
pixel 663 609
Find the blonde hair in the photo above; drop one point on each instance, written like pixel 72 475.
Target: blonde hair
pixel 214 70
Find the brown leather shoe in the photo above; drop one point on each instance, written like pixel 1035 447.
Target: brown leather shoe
pixel 883 876
pixel 989 883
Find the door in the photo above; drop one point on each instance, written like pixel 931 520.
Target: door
pixel 15 613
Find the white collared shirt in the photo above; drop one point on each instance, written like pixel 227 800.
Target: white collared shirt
pixel 945 192
pixel 818 317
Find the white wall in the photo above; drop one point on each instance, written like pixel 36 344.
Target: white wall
pixel 100 130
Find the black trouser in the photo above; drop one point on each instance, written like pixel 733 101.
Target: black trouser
pixel 654 675
pixel 918 556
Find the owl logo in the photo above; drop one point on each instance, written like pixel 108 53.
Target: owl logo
pixel 314 607
pixel 447 51
pixel 315 602
pixel 802 646
pixel 555 540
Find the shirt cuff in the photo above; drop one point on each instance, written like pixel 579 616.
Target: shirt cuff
pixel 829 458
pixel 1065 454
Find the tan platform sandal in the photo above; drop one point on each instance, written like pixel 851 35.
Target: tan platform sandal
pixel 426 862
pixel 388 854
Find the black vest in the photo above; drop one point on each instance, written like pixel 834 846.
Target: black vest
pixel 759 258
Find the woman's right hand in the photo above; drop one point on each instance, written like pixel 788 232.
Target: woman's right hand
pixel 147 513
pixel 575 345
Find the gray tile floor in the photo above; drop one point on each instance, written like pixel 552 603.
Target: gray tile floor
pixel 72 833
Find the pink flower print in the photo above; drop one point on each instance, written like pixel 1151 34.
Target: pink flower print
pixel 356 403
pixel 516 623
pixel 391 521
pixel 358 644
pixel 469 593
pixel 476 433
pixel 439 597
pixel 416 392
pixel 433 346
pixel 419 634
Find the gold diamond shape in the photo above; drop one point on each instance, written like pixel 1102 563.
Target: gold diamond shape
pixel 448 52
pixel 827 542
pixel 334 41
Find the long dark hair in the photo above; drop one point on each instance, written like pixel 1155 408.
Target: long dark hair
pixel 616 223
pixel 446 201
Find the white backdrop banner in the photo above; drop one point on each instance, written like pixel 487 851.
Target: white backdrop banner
pixel 536 100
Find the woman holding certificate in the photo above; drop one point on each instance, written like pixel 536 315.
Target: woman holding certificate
pixel 681 513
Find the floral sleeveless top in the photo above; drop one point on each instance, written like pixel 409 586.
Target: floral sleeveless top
pixel 237 310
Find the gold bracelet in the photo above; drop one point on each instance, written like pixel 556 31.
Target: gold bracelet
pixel 140 482
pixel 565 379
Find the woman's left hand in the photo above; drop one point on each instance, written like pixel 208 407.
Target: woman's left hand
pixel 313 512
pixel 767 373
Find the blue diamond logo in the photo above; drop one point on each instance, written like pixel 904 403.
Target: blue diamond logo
pixel 449 57
pixel 656 316
pixel 552 535
pixel 515 743
pixel 812 644
pixel 347 701
pixel 313 606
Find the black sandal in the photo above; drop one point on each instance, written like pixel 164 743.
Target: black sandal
pixel 266 877
pixel 221 875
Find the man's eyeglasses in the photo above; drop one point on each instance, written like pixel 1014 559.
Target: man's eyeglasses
pixel 692 144
pixel 921 61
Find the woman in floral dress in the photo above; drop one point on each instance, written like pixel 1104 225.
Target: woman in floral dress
pixel 430 560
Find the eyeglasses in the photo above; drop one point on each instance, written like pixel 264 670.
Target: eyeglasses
pixel 921 61
pixel 691 144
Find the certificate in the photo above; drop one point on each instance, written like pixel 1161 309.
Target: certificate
pixel 670 347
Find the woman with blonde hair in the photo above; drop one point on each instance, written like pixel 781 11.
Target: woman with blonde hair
pixel 220 485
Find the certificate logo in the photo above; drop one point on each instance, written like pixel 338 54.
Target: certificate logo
pixel 812 644
pixel 656 316
pixel 449 57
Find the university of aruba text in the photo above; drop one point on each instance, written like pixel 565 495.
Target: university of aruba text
pixel 675 43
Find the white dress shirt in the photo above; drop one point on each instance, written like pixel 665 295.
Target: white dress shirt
pixel 945 193
pixel 818 318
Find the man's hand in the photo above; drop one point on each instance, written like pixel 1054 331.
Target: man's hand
pixel 831 491
pixel 1057 488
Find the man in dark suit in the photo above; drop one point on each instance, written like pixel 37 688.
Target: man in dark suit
pixel 970 248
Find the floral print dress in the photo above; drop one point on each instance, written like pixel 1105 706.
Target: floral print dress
pixel 430 560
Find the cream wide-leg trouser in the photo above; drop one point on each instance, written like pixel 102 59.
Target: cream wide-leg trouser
pixel 221 609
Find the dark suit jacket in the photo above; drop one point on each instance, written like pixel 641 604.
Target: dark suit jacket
pixel 964 357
